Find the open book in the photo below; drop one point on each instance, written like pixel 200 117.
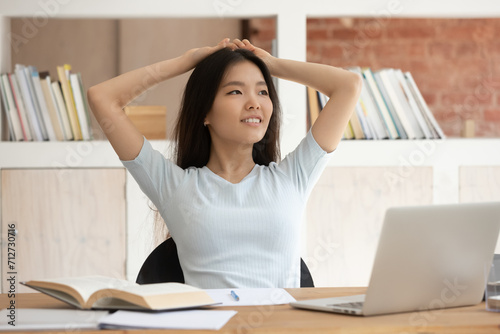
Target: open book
pixel 99 292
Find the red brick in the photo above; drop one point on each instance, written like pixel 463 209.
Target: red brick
pixel 467 67
pixel 470 82
pixel 429 98
pixel 344 33
pixel 492 115
pixel 444 114
pixel 484 33
pixel 440 49
pixel 449 120
pixel 315 23
pixel 332 52
pixel 373 28
pixel 466 101
pixel 419 65
pixel 467 49
pixel 333 22
pixel 416 49
pixel 433 82
pixel 487 129
pixel 453 98
pixel 313 49
pixel 492 50
pixel 409 32
pixel 317 34
pixel 405 22
pixel 384 49
pixel 458 33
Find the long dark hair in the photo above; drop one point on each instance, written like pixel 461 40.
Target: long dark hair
pixel 192 138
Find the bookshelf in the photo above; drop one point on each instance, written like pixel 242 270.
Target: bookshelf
pixel 443 164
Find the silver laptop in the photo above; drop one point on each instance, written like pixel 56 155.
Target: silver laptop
pixel 428 257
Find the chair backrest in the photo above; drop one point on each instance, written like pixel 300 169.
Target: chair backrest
pixel 162 265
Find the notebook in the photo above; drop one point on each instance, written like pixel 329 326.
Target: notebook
pixel 428 257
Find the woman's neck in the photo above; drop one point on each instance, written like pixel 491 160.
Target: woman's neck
pixel 232 165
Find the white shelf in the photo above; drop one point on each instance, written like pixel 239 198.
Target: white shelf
pixel 455 151
pixel 361 153
pixel 245 9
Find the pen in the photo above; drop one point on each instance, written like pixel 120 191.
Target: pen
pixel 235 296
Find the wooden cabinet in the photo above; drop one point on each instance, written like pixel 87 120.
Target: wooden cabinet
pixel 68 222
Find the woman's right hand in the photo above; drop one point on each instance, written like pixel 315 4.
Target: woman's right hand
pixel 194 56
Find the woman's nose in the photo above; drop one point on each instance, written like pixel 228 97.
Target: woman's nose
pixel 252 103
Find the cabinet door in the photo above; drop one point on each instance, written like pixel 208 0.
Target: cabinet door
pixel 68 222
pixel 480 184
pixel 344 218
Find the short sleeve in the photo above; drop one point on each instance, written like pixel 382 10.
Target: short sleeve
pixel 305 164
pixel 156 175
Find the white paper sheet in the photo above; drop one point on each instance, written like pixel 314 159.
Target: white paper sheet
pixel 258 296
pixel 188 319
pixel 45 319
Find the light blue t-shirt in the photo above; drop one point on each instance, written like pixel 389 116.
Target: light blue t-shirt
pixel 243 235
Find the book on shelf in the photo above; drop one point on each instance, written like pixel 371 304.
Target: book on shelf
pixel 63 73
pixel 55 116
pixel 81 110
pixel 23 115
pixel 100 292
pixel 13 119
pixel 401 105
pixel 316 101
pixel 37 108
pixel 378 103
pixel 61 107
pixel 313 105
pixel 372 113
pixel 390 107
pixel 27 96
pixel 40 103
pixel 424 108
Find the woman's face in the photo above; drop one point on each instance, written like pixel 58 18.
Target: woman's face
pixel 242 107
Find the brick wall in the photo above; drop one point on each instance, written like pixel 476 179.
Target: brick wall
pixel 455 62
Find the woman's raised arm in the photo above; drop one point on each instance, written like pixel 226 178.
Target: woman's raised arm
pixel 341 86
pixel 108 98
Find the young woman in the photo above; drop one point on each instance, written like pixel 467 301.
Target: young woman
pixel 231 206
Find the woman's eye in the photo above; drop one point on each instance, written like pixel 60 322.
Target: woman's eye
pixel 234 92
pixel 263 92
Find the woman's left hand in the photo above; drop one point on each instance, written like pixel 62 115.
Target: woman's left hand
pixel 262 54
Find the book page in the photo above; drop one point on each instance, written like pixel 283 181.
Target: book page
pixel 191 319
pixel 38 319
pixel 87 285
pixel 159 289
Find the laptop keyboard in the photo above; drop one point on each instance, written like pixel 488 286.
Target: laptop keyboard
pixel 354 305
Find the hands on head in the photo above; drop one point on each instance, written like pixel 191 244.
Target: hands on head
pixel 199 54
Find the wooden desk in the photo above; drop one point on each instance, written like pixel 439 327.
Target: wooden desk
pixel 285 319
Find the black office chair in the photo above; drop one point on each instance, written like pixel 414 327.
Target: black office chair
pixel 162 265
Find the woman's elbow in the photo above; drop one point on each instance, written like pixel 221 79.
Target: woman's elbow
pixel 354 83
pixel 92 96
pixel 96 93
pixel 99 101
